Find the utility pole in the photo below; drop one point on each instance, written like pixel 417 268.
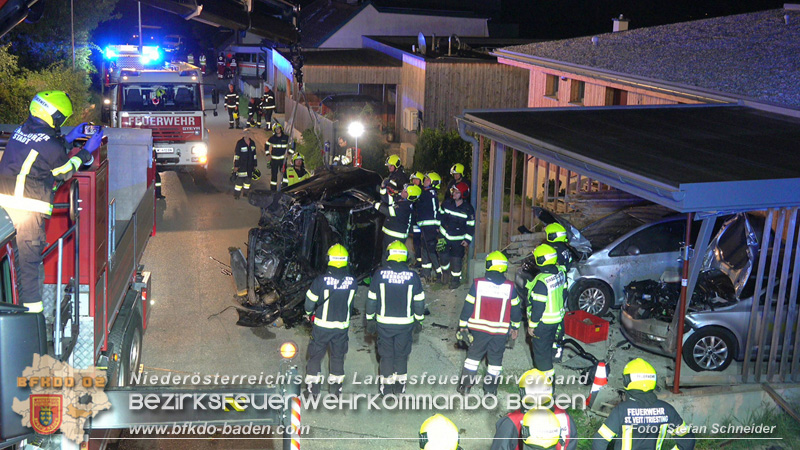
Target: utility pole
pixel 140 27
pixel 72 26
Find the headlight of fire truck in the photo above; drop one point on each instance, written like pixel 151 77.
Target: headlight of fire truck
pixel 199 150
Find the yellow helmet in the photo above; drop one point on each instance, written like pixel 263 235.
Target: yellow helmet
pixel 555 232
pixel 496 261
pixel 436 179
pixel 397 252
pixel 416 176
pixel 545 255
pixel 393 160
pixel 438 433
pixel 53 107
pixel 413 192
pixel 457 169
pixel 639 375
pixel 337 256
pixel 535 389
pixel 540 427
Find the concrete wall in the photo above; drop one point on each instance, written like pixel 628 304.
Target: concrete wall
pixel 371 22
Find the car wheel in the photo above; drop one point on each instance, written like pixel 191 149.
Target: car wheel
pixel 709 349
pixel 129 355
pixel 591 296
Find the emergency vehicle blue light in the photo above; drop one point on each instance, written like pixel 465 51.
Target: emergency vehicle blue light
pixel 150 54
pixel 110 53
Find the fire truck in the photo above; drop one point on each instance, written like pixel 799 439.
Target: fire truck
pixel 168 100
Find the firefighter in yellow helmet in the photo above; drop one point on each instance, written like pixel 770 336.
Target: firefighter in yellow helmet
pixel 642 407
pixel 35 157
pixel 535 391
pixel 438 433
pixel 296 172
pixel 398 212
pixel 329 301
pixel 557 238
pixel 396 179
pixel 396 302
pixel 545 306
pixel 492 313
pixel 426 212
pixel 457 172
pixel 416 180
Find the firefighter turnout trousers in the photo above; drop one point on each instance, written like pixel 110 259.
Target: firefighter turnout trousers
pixel 276 168
pixel 542 346
pixel 394 348
pixel 491 346
pixel 31 241
pixel 457 225
pixel 545 314
pixel 322 340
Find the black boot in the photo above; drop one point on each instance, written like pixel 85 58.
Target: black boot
pixel 463 388
pixel 490 388
pixel 454 282
pixel 237 194
pixel 335 389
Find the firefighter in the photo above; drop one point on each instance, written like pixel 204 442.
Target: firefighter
pixel 556 236
pixel 540 430
pixel 491 314
pixel 159 194
pixel 190 58
pixel 545 306
pixel 232 105
pixel 397 178
pixel 276 149
pixel 35 157
pixel 657 417
pixel 251 112
pixel 245 163
pixel 234 67
pixel 220 66
pixel 457 228
pixel 396 302
pixel 329 301
pixel 398 211
pixel 296 172
pixel 427 220
pixel 266 107
pixel 203 63
pixel 457 174
pixel 350 154
pixel 438 433
pixel 535 391
pixel 416 179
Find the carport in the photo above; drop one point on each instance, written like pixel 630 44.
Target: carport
pixel 704 160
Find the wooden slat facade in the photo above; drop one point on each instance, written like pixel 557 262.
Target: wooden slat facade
pixel 351 74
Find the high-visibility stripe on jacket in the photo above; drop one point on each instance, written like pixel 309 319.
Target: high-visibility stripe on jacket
pixel 492 305
pixel 396 296
pixel 244 157
pixel 398 217
pixel 426 209
pixel 547 288
pixel 276 146
pixel 232 100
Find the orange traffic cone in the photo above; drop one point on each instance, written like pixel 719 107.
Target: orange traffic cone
pixel 600 380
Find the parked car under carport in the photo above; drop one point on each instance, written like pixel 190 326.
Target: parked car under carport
pixel 719 309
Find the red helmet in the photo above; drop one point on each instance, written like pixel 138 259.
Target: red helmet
pixel 462 187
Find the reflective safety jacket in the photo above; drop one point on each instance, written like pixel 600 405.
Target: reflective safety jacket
pixel 277 146
pixel 546 301
pixel 642 423
pixel 394 183
pixel 232 100
pixel 267 101
pixel 34 159
pixel 395 295
pixel 457 221
pixel 508 429
pixel 492 305
pixel 426 212
pixel 330 298
pixel 244 157
pixel 295 176
pixel 398 217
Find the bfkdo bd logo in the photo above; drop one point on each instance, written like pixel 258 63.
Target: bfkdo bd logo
pixel 46 413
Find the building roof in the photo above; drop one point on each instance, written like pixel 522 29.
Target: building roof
pixel 685 157
pixel 322 18
pixel 365 57
pixel 752 55
pixel 475 48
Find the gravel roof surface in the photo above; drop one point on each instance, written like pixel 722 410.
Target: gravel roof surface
pixel 754 55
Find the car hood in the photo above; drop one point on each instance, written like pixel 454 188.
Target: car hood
pixel 733 250
pixel 576 240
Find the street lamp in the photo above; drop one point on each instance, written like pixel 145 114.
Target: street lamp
pixel 355 129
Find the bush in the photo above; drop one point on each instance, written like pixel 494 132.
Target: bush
pixel 310 147
pixel 20 85
pixel 438 149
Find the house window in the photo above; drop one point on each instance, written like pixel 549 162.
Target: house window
pixel 616 97
pixel 576 92
pixel 551 87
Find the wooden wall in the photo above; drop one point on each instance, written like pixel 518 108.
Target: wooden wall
pixel 410 93
pixel 351 74
pixel 453 87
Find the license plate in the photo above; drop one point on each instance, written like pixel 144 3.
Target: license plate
pixel 164 150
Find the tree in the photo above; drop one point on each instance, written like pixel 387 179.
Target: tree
pixel 49 41
pixel 438 149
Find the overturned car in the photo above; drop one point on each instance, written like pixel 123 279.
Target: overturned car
pixel 719 309
pixel 289 247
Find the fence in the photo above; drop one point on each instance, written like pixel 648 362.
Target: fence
pixel 306 118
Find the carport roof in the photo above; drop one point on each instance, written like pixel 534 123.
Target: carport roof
pixel 685 157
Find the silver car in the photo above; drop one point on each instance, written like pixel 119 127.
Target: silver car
pixel 636 243
pixel 719 309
